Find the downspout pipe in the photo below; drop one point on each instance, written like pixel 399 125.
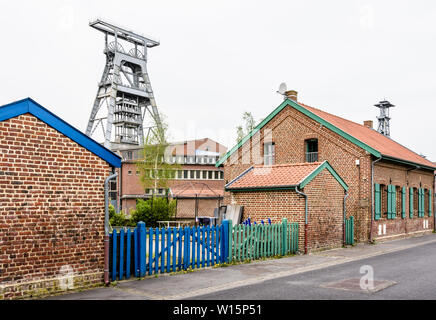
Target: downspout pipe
pixel 305 218
pixel 345 216
pixel 106 227
pixel 372 197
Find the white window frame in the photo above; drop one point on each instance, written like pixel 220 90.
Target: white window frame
pixel 269 152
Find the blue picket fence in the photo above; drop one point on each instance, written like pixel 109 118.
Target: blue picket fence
pixel 157 250
pixel 147 251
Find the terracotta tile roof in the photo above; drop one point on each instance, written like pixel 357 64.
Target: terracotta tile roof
pixel 386 146
pixel 280 175
pixel 375 142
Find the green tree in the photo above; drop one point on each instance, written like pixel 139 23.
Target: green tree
pixel 155 168
pixel 249 125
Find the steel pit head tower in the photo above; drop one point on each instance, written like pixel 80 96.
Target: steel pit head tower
pixel 384 118
pixel 124 97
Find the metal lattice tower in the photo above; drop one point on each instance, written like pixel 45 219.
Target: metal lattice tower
pixel 383 119
pixel 124 97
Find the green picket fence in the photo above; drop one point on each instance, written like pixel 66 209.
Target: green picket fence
pixel 349 230
pixel 261 241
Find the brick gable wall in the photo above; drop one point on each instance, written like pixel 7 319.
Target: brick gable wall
pixel 51 208
pixel 290 129
pixel 325 201
pixel 325 211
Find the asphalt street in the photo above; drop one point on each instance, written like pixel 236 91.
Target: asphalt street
pixel 401 269
pixel 409 274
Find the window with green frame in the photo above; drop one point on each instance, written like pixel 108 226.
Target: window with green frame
pixel 415 202
pixel 389 200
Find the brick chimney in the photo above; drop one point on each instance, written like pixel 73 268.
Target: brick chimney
pixel 368 123
pixel 292 95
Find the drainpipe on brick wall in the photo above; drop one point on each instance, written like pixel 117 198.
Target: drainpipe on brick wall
pixel 372 196
pixel 345 217
pixel 305 218
pixel 106 227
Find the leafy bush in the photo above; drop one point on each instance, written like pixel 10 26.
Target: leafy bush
pixel 112 211
pixel 153 210
pixel 119 219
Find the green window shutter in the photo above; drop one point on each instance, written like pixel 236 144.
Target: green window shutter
pixel 377 202
pixel 423 202
pixel 403 203
pixel 420 202
pixel 429 202
pixel 389 215
pixel 394 202
pixel 410 203
pixel 389 202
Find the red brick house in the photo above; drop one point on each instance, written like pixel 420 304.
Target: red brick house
pixel 51 203
pixel 286 190
pixel 198 185
pixel 390 187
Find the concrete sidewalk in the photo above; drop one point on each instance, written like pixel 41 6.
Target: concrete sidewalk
pixel 205 281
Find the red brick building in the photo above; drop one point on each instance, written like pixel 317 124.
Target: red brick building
pixel 198 186
pixel 51 203
pixel 390 187
pixel 286 190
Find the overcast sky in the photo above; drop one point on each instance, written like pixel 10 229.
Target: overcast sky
pixel 217 59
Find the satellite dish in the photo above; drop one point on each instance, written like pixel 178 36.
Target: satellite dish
pixel 282 88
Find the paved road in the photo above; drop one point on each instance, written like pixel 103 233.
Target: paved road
pixel 405 265
pixel 412 271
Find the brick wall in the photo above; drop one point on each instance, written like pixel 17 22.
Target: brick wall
pixel 276 205
pixel 51 209
pixel 289 130
pixel 325 209
pixel 388 173
pixel 130 185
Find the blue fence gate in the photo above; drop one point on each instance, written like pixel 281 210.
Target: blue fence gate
pixel 146 251
pixel 157 250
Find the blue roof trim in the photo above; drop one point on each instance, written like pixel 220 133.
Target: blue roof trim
pixel 28 105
